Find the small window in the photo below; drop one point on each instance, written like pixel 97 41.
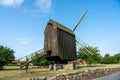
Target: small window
pixel 50 24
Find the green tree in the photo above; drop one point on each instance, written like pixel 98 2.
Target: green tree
pixel 39 60
pixel 106 59
pixel 85 55
pixel 6 56
pixel 107 55
pixel 111 59
pixel 117 56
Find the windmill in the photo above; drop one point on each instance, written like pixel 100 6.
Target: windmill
pixel 60 43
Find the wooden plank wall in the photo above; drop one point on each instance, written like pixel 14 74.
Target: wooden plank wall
pixel 59 43
pixel 66 45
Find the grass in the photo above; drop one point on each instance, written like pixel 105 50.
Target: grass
pixel 20 74
pixel 12 74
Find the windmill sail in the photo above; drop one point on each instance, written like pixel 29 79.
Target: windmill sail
pixel 79 42
pixel 82 44
pixel 83 16
pixel 29 56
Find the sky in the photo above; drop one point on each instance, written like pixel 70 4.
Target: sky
pixel 22 23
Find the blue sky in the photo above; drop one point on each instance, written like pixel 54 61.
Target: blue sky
pixel 22 23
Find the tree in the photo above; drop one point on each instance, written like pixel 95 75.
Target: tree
pixel 111 59
pixel 106 59
pixel 6 56
pixel 107 55
pixel 39 60
pixel 117 56
pixel 84 54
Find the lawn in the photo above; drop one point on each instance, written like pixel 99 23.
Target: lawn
pixel 12 74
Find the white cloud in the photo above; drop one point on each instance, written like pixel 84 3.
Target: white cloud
pixel 24 41
pixel 11 3
pixel 39 8
pixel 44 5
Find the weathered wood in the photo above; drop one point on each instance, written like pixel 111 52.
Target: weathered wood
pixel 59 44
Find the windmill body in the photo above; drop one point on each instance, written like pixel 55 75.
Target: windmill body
pixel 59 43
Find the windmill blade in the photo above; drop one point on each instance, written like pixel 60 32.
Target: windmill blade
pixel 83 16
pixel 82 44
pixel 29 56
pixel 88 52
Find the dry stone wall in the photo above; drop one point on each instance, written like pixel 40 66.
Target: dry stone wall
pixel 83 75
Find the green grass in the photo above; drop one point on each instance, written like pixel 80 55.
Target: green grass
pixel 12 74
pixel 20 74
pixel 11 67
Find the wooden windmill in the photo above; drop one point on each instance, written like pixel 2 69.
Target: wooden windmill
pixel 60 42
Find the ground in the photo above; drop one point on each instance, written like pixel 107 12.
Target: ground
pixel 12 74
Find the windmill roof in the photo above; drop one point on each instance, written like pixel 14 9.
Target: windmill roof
pixel 62 27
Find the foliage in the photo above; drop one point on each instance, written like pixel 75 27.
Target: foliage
pixel 87 56
pixel 107 59
pixel 6 56
pixel 96 57
pixel 117 56
pixel 39 60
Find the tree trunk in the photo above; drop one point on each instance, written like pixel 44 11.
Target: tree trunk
pixel 1 67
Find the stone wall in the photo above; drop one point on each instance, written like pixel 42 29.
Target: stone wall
pixel 71 66
pixel 83 75
pixel 62 66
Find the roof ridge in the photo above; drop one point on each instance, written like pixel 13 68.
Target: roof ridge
pixel 62 27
